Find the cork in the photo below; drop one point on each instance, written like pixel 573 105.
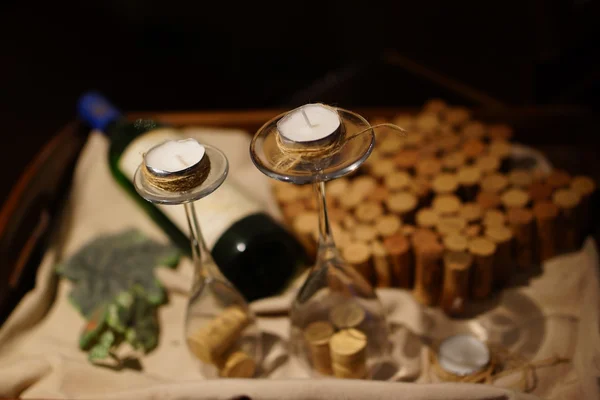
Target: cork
pixel 338 187
pixel 304 226
pixel 444 183
pixel 455 243
pixel 457 116
pixel 397 181
pixel 318 335
pixel 291 210
pixel 472 231
pixel 493 218
pixel 488 164
pixel 474 130
pixel 586 187
pixel 427 121
pixel 504 263
pixel 364 233
pixel 347 315
pixel 471 212
pixel 468 178
pixel 397 248
pixel 237 364
pixel 406 159
pixel 446 204
pixel 423 235
pixel 455 290
pixel 379 194
pixel 340 235
pixel 349 222
pixel 382 168
pixel 402 204
pixel 426 218
pixel 546 214
pixel 358 255
pixel 435 106
pixel 405 121
pixel 520 221
pixel 451 224
pixel 558 179
pixel 540 191
pixel 210 342
pixel 487 200
pixel 473 148
pixel 428 167
pixel 348 351
pixel 568 202
pixel 515 198
pixel 483 251
pixel 494 183
pixel 387 225
pixel 428 272
pixel 520 178
pixel 368 211
pixel 381 266
pixel 501 132
pixel 351 199
pixel 501 149
pixel 421 188
pixel 363 184
pixel 407 230
pixel 311 204
pixel 453 161
pixel 391 145
pixel 336 215
pixel 374 158
pixel 288 193
pixel 449 143
pixel 428 151
pixel 413 140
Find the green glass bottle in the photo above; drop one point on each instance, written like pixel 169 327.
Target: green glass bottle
pixel 256 253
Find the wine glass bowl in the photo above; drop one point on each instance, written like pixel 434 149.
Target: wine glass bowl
pixel 220 329
pixel 337 323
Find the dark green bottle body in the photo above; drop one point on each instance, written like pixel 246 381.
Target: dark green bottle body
pixel 256 253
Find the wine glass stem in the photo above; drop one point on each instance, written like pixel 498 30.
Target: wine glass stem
pixel 201 257
pixel 325 235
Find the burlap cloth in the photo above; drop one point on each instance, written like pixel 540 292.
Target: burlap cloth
pixel 556 314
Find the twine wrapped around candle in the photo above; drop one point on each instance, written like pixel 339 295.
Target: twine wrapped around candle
pixel 293 155
pixel 179 181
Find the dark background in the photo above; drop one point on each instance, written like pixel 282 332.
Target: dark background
pixel 171 55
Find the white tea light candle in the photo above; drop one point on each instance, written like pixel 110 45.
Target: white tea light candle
pixel 174 156
pixel 309 123
pixel 176 165
pixel 463 355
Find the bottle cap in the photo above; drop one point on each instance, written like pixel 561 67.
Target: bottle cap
pixel 463 355
pixel 96 110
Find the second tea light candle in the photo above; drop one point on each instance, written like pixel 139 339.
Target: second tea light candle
pixel 311 124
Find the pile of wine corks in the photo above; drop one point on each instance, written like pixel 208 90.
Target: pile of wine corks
pixel 338 347
pixel 215 343
pixel 445 210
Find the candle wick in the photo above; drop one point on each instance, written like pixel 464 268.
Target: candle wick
pixel 306 119
pixel 182 160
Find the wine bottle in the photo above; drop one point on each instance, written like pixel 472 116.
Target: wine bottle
pixel 257 254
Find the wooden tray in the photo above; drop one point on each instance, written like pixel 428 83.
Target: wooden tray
pixel 29 214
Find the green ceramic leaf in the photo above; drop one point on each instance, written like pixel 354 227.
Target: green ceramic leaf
pixel 112 264
pixel 102 349
pixel 92 329
pixel 115 289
